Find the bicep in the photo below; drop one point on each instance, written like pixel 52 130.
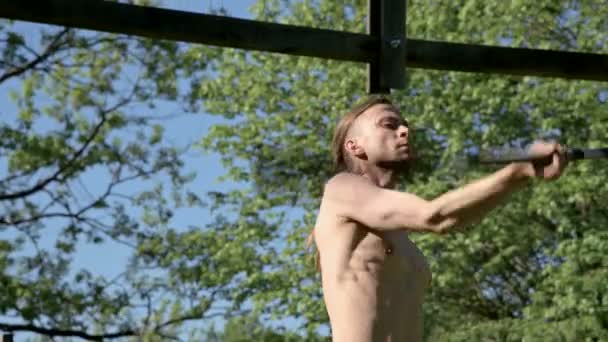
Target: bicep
pixel 375 207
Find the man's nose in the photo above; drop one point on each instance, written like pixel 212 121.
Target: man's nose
pixel 403 131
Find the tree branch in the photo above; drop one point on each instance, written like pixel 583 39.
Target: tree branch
pixel 52 332
pixel 56 176
pixel 50 49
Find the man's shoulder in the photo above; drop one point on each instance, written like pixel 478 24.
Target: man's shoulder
pixel 336 195
pixel 346 180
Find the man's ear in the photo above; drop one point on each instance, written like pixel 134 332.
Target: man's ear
pixel 353 147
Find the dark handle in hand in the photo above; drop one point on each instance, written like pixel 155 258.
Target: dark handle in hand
pixel 520 155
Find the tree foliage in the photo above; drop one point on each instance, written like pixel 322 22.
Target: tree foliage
pixel 87 162
pixel 250 328
pixel 535 267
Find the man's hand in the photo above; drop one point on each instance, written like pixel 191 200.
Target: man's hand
pixel 549 167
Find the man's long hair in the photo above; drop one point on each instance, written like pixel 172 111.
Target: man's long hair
pixel 342 161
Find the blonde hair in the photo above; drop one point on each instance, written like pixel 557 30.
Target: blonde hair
pixel 342 161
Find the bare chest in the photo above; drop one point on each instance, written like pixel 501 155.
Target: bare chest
pixel 394 255
pixel 408 256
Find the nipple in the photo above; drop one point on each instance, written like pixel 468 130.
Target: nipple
pixel 388 248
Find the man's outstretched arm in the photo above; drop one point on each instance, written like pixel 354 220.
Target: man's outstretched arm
pixel 471 202
pixel 355 197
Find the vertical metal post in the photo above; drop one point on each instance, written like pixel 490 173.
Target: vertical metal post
pixel 373 29
pixel 386 21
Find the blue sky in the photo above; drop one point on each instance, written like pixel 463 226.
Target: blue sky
pixel 185 129
pixel 236 8
pixel 109 259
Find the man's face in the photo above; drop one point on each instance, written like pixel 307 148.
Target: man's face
pixel 381 137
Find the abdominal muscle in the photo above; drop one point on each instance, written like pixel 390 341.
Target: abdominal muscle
pixel 373 285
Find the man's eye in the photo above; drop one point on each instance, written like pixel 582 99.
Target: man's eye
pixel 390 125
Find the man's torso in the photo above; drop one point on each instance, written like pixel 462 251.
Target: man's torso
pixel 373 282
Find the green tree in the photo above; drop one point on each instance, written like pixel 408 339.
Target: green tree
pixel 534 268
pixel 85 161
pixel 249 328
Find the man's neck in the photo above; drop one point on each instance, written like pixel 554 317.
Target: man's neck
pixel 384 178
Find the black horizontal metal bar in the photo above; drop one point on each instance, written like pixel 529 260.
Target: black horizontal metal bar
pixel 506 60
pixel 224 31
pixel 160 23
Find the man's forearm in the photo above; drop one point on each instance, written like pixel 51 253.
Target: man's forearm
pixel 472 201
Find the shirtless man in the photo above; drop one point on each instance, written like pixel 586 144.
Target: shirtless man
pixel 373 276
